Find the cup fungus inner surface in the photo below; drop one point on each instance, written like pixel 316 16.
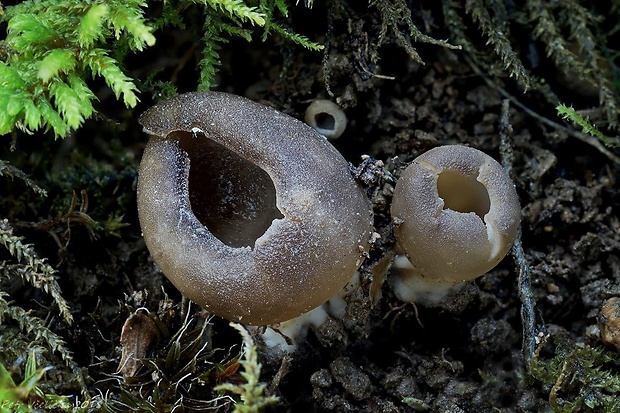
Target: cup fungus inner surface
pixel 234 198
pixel 325 121
pixel 463 193
pixel 326 117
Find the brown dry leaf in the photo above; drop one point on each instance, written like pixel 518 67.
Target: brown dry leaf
pixel 136 338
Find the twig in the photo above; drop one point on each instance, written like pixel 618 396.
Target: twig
pixel 590 140
pixel 528 318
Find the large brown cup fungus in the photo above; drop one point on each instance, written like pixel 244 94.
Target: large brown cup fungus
pixel 248 211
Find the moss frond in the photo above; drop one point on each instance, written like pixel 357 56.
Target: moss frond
pixel 582 377
pixel 269 9
pixel 52 47
pixel 547 29
pixel 178 375
pixel 9 170
pixel 55 62
pixel 212 43
pixel 292 37
pixel 570 34
pixel 393 14
pixel 90 28
pixel 497 31
pixel 34 325
pixel 238 9
pixel 568 113
pixel 31 268
pixel 217 29
pixel 103 65
pixel 252 392
pixel 28 395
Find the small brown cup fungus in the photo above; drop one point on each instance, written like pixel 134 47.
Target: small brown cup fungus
pixel 249 212
pixel 327 118
pixel 456 214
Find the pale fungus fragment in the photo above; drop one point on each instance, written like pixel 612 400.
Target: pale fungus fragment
pixel 456 214
pixel 248 211
pixel 327 118
pixel 284 337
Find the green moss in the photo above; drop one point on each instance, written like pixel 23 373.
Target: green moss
pixel 582 378
pixel 27 396
pixel 568 113
pixel 571 34
pixel 253 394
pixel 396 13
pixel 54 47
pixel 183 371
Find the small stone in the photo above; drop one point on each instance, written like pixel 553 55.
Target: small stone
pixel 609 322
pixel 351 378
pixel 321 378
